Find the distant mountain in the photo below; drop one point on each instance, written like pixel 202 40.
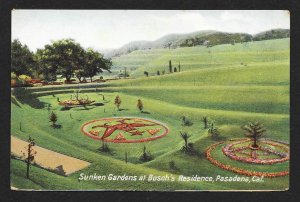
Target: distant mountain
pixel 272 34
pixel 207 38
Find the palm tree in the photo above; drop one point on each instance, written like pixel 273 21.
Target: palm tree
pixel 185 136
pixel 255 131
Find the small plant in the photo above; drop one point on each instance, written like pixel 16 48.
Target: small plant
pixel 254 130
pixel 188 147
pixel 205 122
pixel 146 156
pixel 186 121
pixel 172 165
pixel 213 131
pixel 53 118
pixel 104 147
pixel 59 170
pixel 140 105
pixel 29 154
pixel 118 102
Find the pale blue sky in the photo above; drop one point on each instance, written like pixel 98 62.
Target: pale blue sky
pixel 102 29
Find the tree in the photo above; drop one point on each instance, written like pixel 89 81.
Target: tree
pixel 146 156
pixel 254 130
pixel 146 73
pixel 94 63
pixel 22 59
pixel 53 118
pixel 205 121
pixel 213 131
pixel 186 121
pixel 29 154
pixel 158 73
pixel 179 67
pixel 175 69
pixel 188 147
pixel 118 102
pixel 140 105
pixel 63 57
pixel 170 66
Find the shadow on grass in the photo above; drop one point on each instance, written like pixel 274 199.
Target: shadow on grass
pixel 56 126
pixel 65 108
pixel 145 112
pixel 97 104
pixel 123 109
pixel 25 97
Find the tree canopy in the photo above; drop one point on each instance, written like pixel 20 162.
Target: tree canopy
pixel 22 59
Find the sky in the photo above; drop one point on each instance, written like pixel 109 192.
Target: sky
pixel 109 29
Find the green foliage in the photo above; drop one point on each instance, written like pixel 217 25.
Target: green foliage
pixel 213 131
pixel 118 102
pixel 61 57
pixel 215 39
pixel 173 166
pixel 140 105
pixel 146 156
pixel 94 64
pixel 254 130
pixel 272 34
pixel 205 121
pixel 22 59
pixel 185 121
pixel 188 147
pixel 104 147
pixel 53 118
pixel 170 66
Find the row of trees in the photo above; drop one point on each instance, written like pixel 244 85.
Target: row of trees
pixel 65 57
pixel 118 102
pixel 171 70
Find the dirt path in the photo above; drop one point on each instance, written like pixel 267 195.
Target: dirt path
pixel 47 158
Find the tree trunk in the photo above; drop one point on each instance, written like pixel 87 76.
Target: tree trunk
pixel 91 79
pixel 68 78
pixel 255 141
pixel 28 160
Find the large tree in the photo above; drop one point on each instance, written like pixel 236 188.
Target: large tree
pixel 63 57
pixel 22 59
pixel 95 63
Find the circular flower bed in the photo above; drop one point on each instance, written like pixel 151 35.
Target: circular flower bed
pixel 243 171
pixel 233 150
pixel 124 129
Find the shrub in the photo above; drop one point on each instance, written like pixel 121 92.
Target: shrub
pixel 186 121
pixel 172 165
pixel 53 118
pixel 146 156
pixel 118 102
pixel 104 147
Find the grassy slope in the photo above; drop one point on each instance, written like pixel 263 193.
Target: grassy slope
pixel 201 57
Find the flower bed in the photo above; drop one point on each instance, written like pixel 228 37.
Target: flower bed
pixel 76 102
pixel 240 170
pixel 231 150
pixel 134 130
